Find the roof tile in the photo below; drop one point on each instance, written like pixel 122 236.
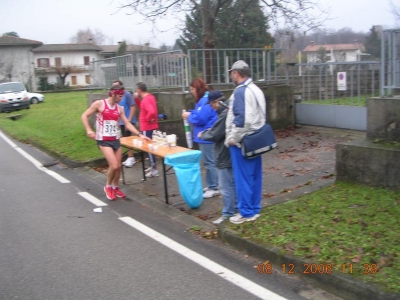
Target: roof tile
pixel 7 40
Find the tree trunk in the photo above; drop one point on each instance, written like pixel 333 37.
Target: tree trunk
pixel 208 37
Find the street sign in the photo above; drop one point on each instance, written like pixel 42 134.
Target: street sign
pixel 341 81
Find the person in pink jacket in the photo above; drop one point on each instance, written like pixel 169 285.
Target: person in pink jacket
pixel 148 119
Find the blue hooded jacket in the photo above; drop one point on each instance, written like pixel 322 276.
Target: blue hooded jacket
pixel 202 117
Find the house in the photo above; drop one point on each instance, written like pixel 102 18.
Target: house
pixel 16 60
pixel 65 62
pixel 108 51
pixel 71 62
pixel 334 52
pixel 29 61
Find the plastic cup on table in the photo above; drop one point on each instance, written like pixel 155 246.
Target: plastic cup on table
pixel 150 146
pixel 140 143
pixel 135 142
pixel 155 147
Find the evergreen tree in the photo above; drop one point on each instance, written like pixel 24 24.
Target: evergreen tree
pixel 240 25
pixel 11 33
pixel 373 44
pixel 191 34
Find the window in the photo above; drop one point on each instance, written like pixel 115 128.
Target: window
pixel 58 61
pixel 73 80
pixel 86 60
pixel 43 62
pixel 87 79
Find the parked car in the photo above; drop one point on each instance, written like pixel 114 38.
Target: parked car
pixel 13 96
pixel 35 98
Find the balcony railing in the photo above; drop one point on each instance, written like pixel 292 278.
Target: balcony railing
pixel 53 68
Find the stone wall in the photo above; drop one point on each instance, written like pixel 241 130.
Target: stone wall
pixel 366 162
pixel 383 119
pixel 374 161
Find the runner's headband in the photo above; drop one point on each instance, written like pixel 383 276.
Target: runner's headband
pixel 116 92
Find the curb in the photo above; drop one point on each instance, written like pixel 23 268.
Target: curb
pixel 65 160
pixel 339 284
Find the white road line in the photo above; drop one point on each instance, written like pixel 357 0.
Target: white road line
pixel 56 176
pixel 203 261
pixel 35 162
pixel 92 199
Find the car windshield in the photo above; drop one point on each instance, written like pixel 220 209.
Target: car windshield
pixel 11 87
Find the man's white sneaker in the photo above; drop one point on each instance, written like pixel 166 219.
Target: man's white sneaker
pixel 239 219
pixel 148 169
pixel 210 193
pixel 129 162
pixel 152 173
pixel 220 220
pixel 205 189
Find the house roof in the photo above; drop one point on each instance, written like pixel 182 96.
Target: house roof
pixel 66 48
pixel 7 40
pixel 129 48
pixel 334 47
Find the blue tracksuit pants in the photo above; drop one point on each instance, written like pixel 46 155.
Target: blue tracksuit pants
pixel 248 180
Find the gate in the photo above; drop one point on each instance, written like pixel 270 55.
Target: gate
pixel 212 65
pixel 157 70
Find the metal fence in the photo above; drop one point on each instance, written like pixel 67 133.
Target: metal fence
pixel 335 82
pixel 316 83
pixel 213 64
pixel 390 63
pixel 160 70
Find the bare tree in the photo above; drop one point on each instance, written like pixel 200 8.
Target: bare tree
pixel 63 72
pixel 88 36
pixel 294 13
pixel 395 11
pixel 9 67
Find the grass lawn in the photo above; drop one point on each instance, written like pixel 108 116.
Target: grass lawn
pixel 56 124
pixel 351 101
pixel 349 224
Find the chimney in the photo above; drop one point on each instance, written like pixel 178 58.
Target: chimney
pixel 312 43
pixel 147 44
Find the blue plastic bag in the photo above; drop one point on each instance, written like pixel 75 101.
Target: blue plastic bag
pixel 187 169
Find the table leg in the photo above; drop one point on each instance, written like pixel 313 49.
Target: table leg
pixel 165 182
pixel 123 175
pixel 144 175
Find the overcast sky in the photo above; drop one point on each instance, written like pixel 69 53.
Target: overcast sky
pixel 56 21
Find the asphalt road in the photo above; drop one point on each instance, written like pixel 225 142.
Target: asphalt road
pixel 54 246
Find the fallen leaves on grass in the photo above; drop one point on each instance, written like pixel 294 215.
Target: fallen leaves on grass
pixel 268 195
pixel 341 224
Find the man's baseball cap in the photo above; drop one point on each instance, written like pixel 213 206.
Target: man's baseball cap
pixel 214 95
pixel 239 65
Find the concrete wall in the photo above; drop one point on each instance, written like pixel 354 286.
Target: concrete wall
pixel 384 118
pixel 368 163
pixel 280 103
pixel 335 116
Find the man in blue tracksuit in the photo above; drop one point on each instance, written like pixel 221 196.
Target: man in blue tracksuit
pixel 246 114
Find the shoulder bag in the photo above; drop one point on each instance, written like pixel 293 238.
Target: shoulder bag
pixel 260 141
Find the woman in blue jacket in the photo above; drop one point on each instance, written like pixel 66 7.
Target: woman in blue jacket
pixel 203 117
